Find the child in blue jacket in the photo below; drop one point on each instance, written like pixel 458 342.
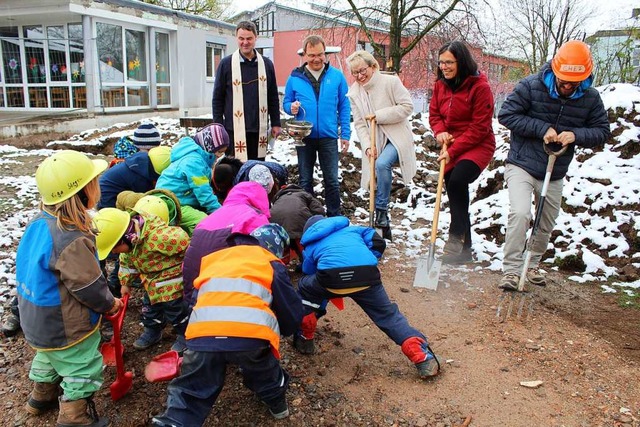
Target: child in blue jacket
pixel 189 174
pixel 342 260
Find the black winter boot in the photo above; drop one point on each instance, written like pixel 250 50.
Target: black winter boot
pixel 382 219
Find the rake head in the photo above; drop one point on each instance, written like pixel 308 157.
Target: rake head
pixel 518 305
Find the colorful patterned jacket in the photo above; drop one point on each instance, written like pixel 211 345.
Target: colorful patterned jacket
pixel 157 260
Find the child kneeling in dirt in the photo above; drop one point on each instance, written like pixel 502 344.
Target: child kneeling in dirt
pixel 153 251
pixel 245 302
pixel 61 290
pixel 342 260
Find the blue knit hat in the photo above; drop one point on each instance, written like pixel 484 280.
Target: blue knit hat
pixel 124 148
pixel 273 238
pixel 146 136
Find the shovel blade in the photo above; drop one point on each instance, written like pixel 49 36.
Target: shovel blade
pixel 108 350
pixel 427 277
pixel 163 367
pixel 121 386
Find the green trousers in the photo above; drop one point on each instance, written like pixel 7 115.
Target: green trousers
pixel 79 367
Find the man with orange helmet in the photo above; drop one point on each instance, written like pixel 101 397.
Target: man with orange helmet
pixel 556 106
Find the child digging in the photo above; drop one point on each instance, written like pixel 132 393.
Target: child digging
pixel 61 290
pixel 342 260
pixel 153 251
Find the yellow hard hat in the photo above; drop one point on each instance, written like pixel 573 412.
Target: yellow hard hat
pixel 111 224
pixel 160 158
pixel 65 173
pixel 153 205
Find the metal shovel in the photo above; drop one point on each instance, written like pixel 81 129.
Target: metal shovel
pixel 522 299
pixel 428 269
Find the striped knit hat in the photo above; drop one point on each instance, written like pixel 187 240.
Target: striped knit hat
pixel 212 138
pixel 146 136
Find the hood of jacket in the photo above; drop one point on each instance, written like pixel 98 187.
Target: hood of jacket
pixel 249 193
pixel 188 146
pixel 323 228
pixel 549 79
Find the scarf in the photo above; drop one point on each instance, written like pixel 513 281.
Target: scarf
pixel 239 132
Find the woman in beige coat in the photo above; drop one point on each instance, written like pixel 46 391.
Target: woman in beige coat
pixel 384 97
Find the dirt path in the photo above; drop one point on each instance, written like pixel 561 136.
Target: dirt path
pixel 359 377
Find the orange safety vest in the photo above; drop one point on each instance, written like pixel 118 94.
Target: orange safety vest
pixel 234 296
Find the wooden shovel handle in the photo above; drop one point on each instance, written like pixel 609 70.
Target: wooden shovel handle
pixel 436 209
pixel 372 169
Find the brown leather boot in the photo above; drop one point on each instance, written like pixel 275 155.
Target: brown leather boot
pixel 80 412
pixel 43 398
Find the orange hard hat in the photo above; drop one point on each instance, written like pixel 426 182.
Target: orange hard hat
pixel 572 62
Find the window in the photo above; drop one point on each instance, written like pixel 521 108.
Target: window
pixel 215 52
pixel 11 67
pixel 123 66
pixel 58 67
pixel 76 53
pixel 266 24
pixel 163 77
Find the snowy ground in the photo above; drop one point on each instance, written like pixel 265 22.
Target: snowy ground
pixel 602 191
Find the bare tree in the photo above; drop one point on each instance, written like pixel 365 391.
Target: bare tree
pixel 406 23
pixel 537 28
pixel 215 9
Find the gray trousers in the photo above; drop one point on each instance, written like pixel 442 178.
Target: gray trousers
pixel 521 187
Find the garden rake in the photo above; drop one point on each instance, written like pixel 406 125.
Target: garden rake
pixel 523 299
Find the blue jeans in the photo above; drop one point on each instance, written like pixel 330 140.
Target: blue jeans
pixel 326 150
pixel 194 392
pixel 384 166
pixel 373 300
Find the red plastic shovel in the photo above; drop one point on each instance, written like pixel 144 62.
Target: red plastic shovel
pixel 124 380
pixel 108 349
pixel 163 367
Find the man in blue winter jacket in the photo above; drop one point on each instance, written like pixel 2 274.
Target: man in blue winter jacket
pixel 556 106
pixel 317 92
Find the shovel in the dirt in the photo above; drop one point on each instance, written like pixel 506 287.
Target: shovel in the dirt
pixel 428 269
pixel 163 367
pixel 522 300
pixel 108 349
pixel 124 380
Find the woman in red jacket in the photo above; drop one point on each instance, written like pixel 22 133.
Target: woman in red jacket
pixel 460 115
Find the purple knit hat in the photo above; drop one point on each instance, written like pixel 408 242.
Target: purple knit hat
pixel 212 138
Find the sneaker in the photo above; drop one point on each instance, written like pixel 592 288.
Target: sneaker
pixel 535 278
pixel 148 338
pixel 180 345
pixel 11 325
pixel 420 354
pixel 304 345
pixel 280 410
pixel 509 282
pixel 430 367
pixel 463 257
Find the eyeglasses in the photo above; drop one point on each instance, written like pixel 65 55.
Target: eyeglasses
pixel 446 63
pixel 360 72
pixel 315 55
pixel 564 83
